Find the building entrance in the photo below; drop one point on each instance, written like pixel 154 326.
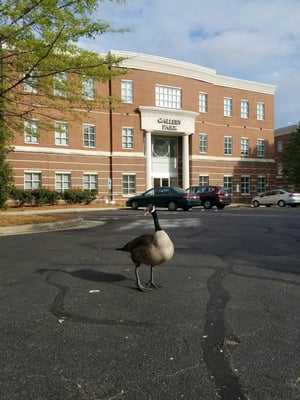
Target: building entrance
pixel 164 161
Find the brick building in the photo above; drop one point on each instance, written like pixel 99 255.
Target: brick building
pixel 178 124
pixel 281 139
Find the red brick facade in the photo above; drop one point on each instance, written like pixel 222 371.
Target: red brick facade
pixel 121 171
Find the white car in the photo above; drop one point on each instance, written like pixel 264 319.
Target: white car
pixel 276 197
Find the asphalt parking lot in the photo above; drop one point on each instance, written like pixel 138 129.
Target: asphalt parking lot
pixel 224 323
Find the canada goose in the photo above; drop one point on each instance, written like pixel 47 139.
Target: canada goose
pixel 150 249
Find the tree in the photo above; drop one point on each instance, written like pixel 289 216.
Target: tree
pixel 39 47
pixel 291 157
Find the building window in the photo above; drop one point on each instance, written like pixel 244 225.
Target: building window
pixel 228 145
pixel 90 182
pixel 30 82
pixel 31 134
pixel 203 143
pixel 228 182
pixel 60 83
pixel 168 97
pixel 245 109
pixel 62 181
pixel 127 91
pixel 260 147
pixel 279 146
pixel 279 169
pixel 203 104
pixel 127 138
pixel 128 184
pixel 89 135
pixel 88 88
pixel 61 133
pixel 245 185
pixel 261 184
pixel 203 180
pixel 245 147
pixel 260 109
pixel 227 107
pixel 32 180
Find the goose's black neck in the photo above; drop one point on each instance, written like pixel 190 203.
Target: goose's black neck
pixel 156 221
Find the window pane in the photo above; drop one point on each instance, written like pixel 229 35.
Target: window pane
pixel 89 136
pixel 32 180
pixel 203 106
pixel 168 97
pixel 260 111
pixel 260 147
pixel 127 138
pixel 88 88
pixel 203 180
pixel 90 182
pixel 244 109
pixel 244 146
pixel 61 134
pixel 31 134
pixel 227 107
pixel 62 181
pixel 127 91
pixel 128 184
pixel 245 185
pixel 227 145
pixel 60 81
pixel 228 182
pixel 203 143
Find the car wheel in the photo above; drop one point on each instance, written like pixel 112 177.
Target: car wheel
pixel 207 204
pixel 134 205
pixel 255 203
pixel 281 203
pixel 172 206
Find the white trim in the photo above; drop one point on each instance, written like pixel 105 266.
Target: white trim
pixel 67 152
pixel 230 159
pixel 180 68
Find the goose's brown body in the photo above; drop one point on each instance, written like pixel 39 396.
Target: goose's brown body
pixel 150 249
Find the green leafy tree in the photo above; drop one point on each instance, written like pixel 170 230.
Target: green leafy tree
pixel 291 157
pixel 39 46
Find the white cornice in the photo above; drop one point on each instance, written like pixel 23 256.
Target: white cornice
pixel 188 70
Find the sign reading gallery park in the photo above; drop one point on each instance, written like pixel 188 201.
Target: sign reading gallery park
pixel 168 124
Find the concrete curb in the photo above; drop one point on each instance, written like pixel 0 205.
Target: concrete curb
pixel 76 223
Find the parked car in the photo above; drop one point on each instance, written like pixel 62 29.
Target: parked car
pixel 276 197
pixel 165 196
pixel 210 196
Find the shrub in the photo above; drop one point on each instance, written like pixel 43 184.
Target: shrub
pixel 73 196
pixel 20 196
pixel 45 196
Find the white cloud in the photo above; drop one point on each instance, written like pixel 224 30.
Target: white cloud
pixel 250 39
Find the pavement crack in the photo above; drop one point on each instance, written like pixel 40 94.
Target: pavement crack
pixel 215 343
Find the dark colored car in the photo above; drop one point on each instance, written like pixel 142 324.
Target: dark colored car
pixel 210 196
pixel 165 196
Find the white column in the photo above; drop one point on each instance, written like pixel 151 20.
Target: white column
pixel 185 161
pixel 148 160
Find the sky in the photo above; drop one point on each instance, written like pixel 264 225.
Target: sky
pixel 256 40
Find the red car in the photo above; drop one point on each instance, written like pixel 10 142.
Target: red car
pixel 210 196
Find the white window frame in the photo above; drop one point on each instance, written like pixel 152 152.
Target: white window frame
pixel 64 183
pixel 168 97
pixel 61 133
pixel 279 146
pixel 127 138
pixel 244 109
pixel 244 147
pixel 261 184
pixel 203 180
pixel 280 169
pixel 128 184
pixel 227 107
pixel 260 147
pixel 30 83
pixel 260 110
pixel 228 182
pixel 88 88
pixel 228 145
pixel 203 102
pixel 89 135
pixel 245 185
pixel 31 131
pixel 127 91
pixel 203 142
pixel 90 181
pixel 32 180
pixel 59 84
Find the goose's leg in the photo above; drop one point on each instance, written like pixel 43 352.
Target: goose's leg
pixel 138 281
pixel 151 283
